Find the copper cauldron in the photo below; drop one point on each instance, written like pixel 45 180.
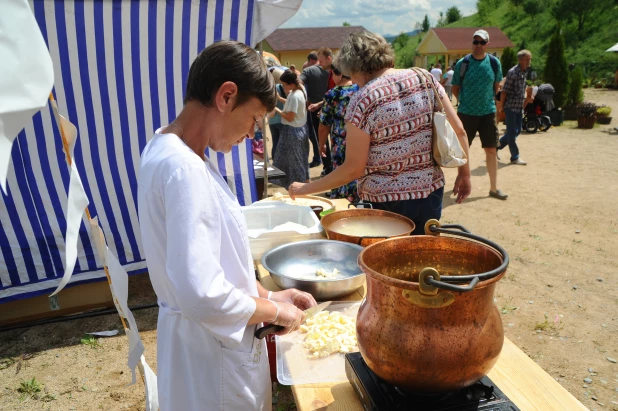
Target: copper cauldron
pixel 329 219
pixel 419 328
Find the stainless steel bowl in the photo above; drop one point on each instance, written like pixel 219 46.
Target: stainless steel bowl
pixel 294 265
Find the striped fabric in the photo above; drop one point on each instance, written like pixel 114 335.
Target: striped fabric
pixel 120 71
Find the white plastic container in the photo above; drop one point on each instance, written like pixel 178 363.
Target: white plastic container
pixel 266 229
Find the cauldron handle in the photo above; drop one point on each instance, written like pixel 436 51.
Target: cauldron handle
pixel 452 287
pixel 433 227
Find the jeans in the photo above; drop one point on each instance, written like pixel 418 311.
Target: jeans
pixel 419 211
pixel 513 128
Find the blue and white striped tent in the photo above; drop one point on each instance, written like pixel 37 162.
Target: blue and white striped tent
pixel 120 70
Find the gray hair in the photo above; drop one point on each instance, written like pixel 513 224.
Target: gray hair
pixel 523 53
pixel 364 52
pixel 277 75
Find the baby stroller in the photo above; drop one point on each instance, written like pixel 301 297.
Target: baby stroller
pixel 533 113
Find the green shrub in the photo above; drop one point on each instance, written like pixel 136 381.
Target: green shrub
pixel 556 69
pixel 576 94
pixel 604 111
pixel 508 59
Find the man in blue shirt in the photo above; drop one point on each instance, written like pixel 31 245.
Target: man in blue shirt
pixel 475 86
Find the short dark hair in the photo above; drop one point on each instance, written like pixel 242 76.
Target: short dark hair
pixel 230 61
pixel 325 51
pixel 312 56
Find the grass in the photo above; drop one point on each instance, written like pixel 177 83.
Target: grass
pixel 508 306
pixel 91 341
pixel 551 327
pixel 29 389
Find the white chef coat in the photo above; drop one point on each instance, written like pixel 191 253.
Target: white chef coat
pixel 197 250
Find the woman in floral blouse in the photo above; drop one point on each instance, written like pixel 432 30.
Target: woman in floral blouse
pixel 332 120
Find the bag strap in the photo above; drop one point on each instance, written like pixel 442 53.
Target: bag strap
pixel 422 74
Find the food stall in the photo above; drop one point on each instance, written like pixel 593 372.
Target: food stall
pixel 516 381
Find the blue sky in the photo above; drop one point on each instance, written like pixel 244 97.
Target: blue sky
pixel 381 16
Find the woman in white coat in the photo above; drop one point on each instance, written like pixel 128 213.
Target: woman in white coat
pixel 196 245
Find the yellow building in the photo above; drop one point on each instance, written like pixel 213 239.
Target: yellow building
pixel 451 44
pixel 291 46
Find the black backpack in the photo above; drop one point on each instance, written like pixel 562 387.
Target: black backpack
pixel 463 67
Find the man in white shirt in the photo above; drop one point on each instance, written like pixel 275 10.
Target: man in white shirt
pixel 196 245
pixel 436 72
pixel 446 82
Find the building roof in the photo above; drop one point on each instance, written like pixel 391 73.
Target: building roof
pixel 460 38
pixel 310 38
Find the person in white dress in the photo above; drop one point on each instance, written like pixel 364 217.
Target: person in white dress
pixel 197 250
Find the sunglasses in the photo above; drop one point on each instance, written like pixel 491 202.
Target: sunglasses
pixel 477 42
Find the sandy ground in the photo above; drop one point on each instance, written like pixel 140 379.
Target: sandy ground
pixel 559 299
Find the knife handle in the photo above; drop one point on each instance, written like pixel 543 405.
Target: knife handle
pixel 269 329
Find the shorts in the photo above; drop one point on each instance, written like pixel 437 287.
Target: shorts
pixel 486 127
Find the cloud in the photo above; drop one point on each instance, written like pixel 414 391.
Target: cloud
pixel 381 16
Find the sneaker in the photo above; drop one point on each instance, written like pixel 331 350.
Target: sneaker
pixel 498 194
pixel 519 161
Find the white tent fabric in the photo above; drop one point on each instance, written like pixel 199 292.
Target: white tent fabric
pixel 120 69
pixel 613 48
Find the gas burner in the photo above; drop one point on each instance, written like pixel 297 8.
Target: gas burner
pixel 378 395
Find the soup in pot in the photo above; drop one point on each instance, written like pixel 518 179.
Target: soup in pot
pixel 370 226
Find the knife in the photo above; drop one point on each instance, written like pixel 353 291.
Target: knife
pixel 273 328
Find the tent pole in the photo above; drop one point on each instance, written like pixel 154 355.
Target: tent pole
pixel 264 140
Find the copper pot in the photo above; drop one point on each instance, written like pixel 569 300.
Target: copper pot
pixel 417 328
pixel 329 219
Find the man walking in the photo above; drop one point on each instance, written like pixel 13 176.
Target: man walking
pixel 436 72
pixel 475 83
pixel 512 100
pixel 447 82
pixel 316 80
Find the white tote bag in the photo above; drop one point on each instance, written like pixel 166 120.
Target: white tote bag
pixel 447 150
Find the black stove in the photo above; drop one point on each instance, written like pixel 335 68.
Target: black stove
pixel 377 395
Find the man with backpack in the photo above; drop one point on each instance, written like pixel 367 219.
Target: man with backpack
pixel 475 83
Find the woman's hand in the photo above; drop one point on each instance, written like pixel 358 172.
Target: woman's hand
pixel 462 187
pixel 290 317
pixel 299 298
pixel 295 189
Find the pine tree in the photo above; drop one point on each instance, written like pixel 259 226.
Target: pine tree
pixel 556 70
pixel 576 94
pixel 508 59
pixel 425 26
pixel 523 45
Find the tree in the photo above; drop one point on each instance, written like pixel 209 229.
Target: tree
pixel 484 8
pixel 452 15
pixel 576 94
pixel 425 25
pixel 556 69
pixel 532 7
pixel 577 9
pixel 441 20
pixel 400 41
pixel 523 45
pixel 346 24
pixel 508 59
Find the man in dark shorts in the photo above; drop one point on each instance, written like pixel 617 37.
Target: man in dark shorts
pixel 475 92
pixel 316 80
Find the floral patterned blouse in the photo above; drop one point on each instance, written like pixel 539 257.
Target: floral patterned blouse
pixel 333 114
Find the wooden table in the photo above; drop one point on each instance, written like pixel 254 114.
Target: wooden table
pixel 520 378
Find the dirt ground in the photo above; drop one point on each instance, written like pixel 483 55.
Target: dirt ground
pixel 559 299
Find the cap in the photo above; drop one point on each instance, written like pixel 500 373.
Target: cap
pixel 482 34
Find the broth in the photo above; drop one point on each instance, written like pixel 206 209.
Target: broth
pixel 370 226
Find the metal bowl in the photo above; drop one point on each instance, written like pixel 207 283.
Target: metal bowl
pixel 294 265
